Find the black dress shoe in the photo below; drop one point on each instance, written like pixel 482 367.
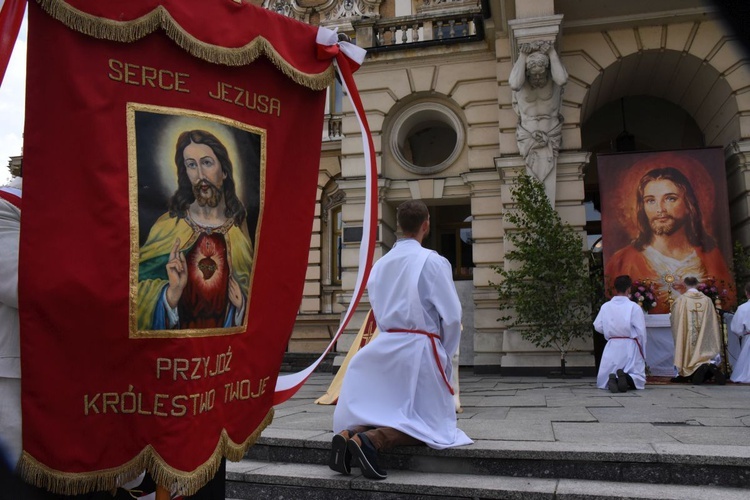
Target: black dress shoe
pixel 622 381
pixel 612 384
pixel 631 382
pixel 367 456
pixel 718 375
pixel 340 459
pixel 699 375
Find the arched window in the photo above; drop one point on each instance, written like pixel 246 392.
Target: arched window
pixel 332 226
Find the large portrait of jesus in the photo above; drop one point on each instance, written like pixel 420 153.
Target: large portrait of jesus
pixel 196 200
pixel 665 216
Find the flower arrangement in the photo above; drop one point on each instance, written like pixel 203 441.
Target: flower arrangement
pixel 710 288
pixel 642 292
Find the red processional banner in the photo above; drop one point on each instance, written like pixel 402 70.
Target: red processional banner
pixel 11 17
pixel 665 216
pixel 171 154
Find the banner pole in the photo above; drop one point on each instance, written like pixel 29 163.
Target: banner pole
pixel 162 493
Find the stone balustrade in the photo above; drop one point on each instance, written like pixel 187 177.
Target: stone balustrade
pixel 332 127
pixel 410 32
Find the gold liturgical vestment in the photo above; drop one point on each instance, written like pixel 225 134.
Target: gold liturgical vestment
pixel 695 328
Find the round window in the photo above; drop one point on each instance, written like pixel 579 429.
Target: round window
pixel 427 138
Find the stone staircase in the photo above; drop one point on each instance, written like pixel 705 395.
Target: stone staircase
pixel 290 468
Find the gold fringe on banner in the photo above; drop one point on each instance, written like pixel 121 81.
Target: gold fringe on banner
pixel 176 481
pixel 131 31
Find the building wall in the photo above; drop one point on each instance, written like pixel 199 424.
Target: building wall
pixel 688 59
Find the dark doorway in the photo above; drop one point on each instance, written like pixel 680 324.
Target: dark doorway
pixel 450 236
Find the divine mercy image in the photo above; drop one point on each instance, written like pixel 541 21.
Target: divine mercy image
pixel 199 202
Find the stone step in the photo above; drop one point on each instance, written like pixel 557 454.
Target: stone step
pixel 690 465
pixel 252 479
pixel 297 361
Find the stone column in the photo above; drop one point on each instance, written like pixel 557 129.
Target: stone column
pixel 737 158
pixel 352 215
pixel 534 8
pixel 487 233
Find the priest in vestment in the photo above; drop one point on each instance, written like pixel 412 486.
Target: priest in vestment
pixel 697 336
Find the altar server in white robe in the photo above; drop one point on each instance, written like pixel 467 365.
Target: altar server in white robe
pixel 397 388
pixel 10 340
pixel 740 326
pixel 623 324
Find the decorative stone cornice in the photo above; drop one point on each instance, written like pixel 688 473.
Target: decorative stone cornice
pixel 340 9
pixel 333 13
pixel 487 182
pixel 735 147
pixel 530 29
pixel 289 8
pixel 445 5
pixel 571 164
pixel 334 199
pixel 737 155
pixel 509 167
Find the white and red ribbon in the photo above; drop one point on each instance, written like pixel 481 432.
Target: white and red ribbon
pixel 11 195
pixel 347 59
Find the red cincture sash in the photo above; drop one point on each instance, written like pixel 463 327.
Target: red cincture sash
pixel 432 337
pixel 640 349
pixel 10 198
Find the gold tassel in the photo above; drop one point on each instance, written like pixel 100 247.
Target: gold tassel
pixel 131 31
pixel 176 481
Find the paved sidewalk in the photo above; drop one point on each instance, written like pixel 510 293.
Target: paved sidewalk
pixel 539 414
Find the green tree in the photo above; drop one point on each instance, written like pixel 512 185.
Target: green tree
pixel 546 290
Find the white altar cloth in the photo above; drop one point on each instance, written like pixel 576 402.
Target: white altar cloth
pixel 659 345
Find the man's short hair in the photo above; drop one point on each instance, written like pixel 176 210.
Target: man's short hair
pixel 410 215
pixel 622 283
pixel 691 281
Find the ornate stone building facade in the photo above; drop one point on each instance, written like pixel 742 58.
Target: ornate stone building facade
pixel 15 164
pixel 439 97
